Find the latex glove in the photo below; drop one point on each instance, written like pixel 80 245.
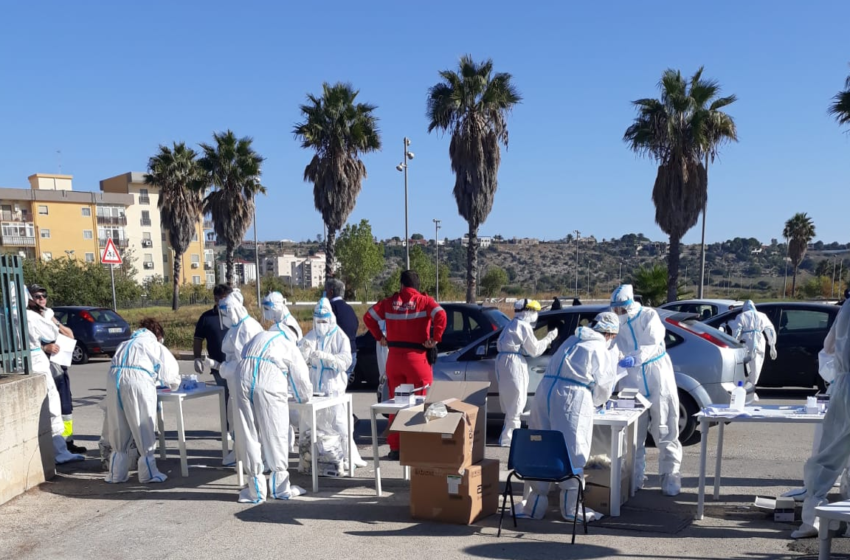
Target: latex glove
pixel 627 362
pixel 199 365
pixel 773 352
pixel 552 335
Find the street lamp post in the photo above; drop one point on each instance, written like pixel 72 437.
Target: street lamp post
pixel 578 236
pixel 437 247
pixel 257 259
pixel 785 283
pixel 403 167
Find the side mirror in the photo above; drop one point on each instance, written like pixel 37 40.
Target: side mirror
pixel 481 351
pixel 722 328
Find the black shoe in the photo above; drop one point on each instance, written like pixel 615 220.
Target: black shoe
pixel 75 448
pixel 392 455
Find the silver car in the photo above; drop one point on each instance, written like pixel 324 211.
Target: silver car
pixel 708 363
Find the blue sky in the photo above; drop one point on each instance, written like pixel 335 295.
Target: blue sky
pixel 106 82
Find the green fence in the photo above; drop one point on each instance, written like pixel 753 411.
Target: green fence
pixel 14 346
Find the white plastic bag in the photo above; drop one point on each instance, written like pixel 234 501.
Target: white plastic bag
pixel 826 366
pixel 435 411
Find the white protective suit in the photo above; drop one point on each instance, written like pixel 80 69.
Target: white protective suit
pixel 751 327
pixel 516 343
pixel 641 338
pixel 327 351
pixel 580 376
pixel 241 328
pixel 271 372
pixel 138 367
pixel 823 469
pixel 276 311
pixel 40 331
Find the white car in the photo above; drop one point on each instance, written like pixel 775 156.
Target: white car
pixel 705 308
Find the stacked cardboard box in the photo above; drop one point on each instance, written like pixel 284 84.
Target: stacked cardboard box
pixel 450 481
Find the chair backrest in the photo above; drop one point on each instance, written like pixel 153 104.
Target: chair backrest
pixel 539 454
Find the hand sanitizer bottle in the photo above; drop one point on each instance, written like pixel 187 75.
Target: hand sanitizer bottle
pixel 739 398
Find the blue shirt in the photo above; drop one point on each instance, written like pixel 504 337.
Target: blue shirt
pixel 347 320
pixel 209 329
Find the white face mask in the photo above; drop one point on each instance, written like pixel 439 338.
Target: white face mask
pixel 322 328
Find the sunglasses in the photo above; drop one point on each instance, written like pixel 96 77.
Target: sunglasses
pixel 39 296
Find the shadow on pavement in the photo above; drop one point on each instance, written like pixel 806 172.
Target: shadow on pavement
pixel 511 548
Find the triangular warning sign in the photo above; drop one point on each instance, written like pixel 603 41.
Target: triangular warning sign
pixel 110 253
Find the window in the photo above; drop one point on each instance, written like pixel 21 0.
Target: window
pixel 45 233
pixel 48 256
pixel 18 230
pixel 196 280
pixel 163 235
pixel 87 234
pixel 146 235
pixel 195 236
pixel 196 259
pixel 86 212
pixel 143 196
pixel 42 209
pixel 89 257
pixel 210 278
pixel 148 258
pixel 796 320
pixel 146 218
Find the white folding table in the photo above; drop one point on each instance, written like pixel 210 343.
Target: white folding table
pixel 177 397
pixel 775 414
pixel 837 511
pixel 620 421
pixel 391 408
pixel 308 410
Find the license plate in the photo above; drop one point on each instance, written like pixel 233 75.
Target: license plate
pixel 116 330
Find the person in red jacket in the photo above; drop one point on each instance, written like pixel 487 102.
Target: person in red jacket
pixel 415 323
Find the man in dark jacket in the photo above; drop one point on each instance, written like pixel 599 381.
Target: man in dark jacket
pixel 346 318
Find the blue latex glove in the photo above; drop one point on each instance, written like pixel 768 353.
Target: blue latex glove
pixel 627 362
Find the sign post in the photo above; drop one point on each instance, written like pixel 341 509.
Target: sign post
pixel 111 257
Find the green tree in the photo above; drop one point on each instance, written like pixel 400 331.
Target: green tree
pixel 472 103
pixel 417 236
pixel 676 131
pixel 74 282
pixel 233 169
pixel 840 106
pixel 651 283
pixel 176 174
pixel 493 281
pixel 360 257
pixel 340 131
pixel 799 231
pixel 423 264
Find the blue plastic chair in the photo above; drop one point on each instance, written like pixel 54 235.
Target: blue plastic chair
pixel 540 456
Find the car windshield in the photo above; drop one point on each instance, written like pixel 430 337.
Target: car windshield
pixel 104 316
pixel 701 328
pixel 498 318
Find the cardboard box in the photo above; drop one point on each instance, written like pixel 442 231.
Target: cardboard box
pixel 597 489
pixel 470 392
pixel 451 497
pixel 445 443
pixel 784 510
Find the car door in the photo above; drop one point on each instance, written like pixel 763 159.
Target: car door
pixel 800 336
pixel 565 323
pixel 455 336
pixel 478 362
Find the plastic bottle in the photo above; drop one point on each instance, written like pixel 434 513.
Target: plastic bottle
pixel 739 398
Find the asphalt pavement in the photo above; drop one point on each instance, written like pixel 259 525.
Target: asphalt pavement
pixel 77 515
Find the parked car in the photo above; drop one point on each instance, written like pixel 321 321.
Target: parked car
pixel 800 331
pixel 98 330
pixel 707 363
pixel 705 308
pixel 464 323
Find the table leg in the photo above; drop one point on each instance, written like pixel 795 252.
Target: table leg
pixel 703 451
pixel 824 542
pixel 616 468
pixel 181 439
pixel 718 460
pixel 350 430
pixel 631 436
pixel 375 457
pixel 405 473
pixel 222 412
pixel 160 421
pixel 313 450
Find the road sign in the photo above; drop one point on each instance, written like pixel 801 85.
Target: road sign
pixel 110 253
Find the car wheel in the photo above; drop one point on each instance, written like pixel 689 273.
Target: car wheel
pixel 687 420
pixel 80 355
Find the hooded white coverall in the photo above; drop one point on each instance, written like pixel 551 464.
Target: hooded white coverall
pixel 241 328
pixel 138 367
pixel 41 330
pixel 271 372
pixel 580 376
pixel 642 337
pixel 751 327
pixel 823 468
pixel 516 343
pixel 327 351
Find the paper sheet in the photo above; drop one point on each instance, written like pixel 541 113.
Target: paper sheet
pixel 66 351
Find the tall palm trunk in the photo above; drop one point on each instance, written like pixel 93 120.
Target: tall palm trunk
pixel 175 296
pixel 330 250
pixel 794 281
pixel 673 269
pixel 700 295
pixel 228 264
pixel 471 264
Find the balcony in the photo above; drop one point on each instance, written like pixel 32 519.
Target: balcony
pixel 22 216
pixel 208 265
pixel 145 222
pixel 209 243
pixel 120 243
pixel 112 220
pixel 144 199
pixel 17 241
pixel 208 224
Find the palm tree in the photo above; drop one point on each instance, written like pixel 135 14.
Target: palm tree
pixel 472 103
pixel 175 172
pixel 232 168
pixel 799 230
pixel 675 131
pixel 339 130
pixel 840 107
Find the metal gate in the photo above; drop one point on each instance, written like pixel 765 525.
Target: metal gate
pixel 14 345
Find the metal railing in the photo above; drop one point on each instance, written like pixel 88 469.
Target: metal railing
pixel 112 220
pixel 17 240
pixel 208 224
pixel 120 243
pixel 22 216
pixel 145 221
pixel 15 354
pixel 209 243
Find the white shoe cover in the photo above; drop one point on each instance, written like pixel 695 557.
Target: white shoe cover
pixel 119 468
pixel 254 492
pixel 229 460
pixel 148 472
pixel 671 484
pixel 62 455
pixel 805 531
pixel 799 494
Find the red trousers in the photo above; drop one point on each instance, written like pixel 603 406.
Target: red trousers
pixel 406 366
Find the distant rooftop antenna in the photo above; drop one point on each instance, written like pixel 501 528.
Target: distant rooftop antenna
pixel 59 160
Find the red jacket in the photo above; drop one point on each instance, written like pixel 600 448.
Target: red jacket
pixel 409 316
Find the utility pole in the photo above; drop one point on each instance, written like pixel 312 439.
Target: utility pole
pixel 832 291
pixel 785 284
pixel 437 247
pixel 403 167
pixel 577 237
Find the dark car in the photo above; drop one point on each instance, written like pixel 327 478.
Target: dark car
pixel 98 330
pixel 464 323
pixel 800 331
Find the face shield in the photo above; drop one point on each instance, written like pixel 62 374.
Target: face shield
pixel 623 302
pixel 323 318
pixel 274 309
pixel 230 310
